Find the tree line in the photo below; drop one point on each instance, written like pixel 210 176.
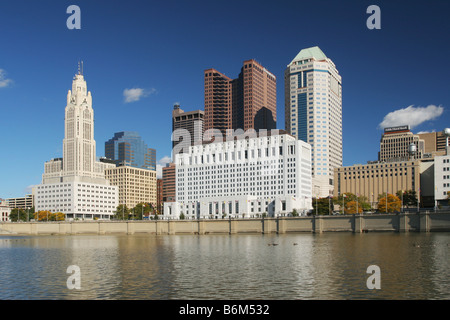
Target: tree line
pixel 18 214
pixel 349 203
pixel 141 211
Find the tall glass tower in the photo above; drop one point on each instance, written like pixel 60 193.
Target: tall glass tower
pixel 128 148
pixel 313 113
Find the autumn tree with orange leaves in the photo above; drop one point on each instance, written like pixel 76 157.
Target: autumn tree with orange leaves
pixel 393 203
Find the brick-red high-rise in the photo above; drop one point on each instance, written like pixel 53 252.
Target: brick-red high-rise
pixel 247 102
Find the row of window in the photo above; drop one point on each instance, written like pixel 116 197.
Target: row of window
pixel 381 176
pixel 53 186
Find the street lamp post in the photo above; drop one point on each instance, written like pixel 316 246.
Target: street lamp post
pixel 317 195
pixel 402 201
pixel 343 203
pixel 357 211
pixel 386 202
pixel 329 204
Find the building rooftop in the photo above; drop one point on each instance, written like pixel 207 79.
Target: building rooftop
pixel 313 52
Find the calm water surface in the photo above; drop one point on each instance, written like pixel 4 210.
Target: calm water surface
pixel 301 266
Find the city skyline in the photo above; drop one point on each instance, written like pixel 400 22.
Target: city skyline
pixel 137 75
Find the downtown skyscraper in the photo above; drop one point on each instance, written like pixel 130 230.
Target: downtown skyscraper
pixel 75 184
pixel 313 113
pixel 247 102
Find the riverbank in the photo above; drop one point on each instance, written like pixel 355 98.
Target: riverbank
pixel 410 222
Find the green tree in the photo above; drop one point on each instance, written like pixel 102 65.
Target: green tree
pixel 17 214
pixel 322 206
pixel 122 212
pixel 393 204
pixel 349 207
pixel 142 209
pixel 409 198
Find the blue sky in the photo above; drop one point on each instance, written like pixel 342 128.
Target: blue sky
pixel 163 47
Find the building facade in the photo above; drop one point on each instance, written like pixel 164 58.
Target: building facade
pixel 159 195
pixel 5 210
pixel 313 112
pixel 169 183
pixel 187 129
pixel 435 142
pixel 136 185
pixel 20 202
pixel 442 179
pixel 395 145
pixel 243 177
pixel 218 101
pixel 128 148
pixel 373 179
pixel 247 102
pixel 76 185
pixel 78 199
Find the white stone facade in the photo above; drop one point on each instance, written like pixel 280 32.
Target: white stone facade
pixel 243 178
pixel 4 211
pixel 442 178
pixel 77 199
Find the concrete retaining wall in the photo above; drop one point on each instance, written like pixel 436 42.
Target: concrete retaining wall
pixel 423 222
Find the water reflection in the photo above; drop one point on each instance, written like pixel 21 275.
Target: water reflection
pixel 290 266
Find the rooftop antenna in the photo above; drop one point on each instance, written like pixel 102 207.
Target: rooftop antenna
pixel 80 67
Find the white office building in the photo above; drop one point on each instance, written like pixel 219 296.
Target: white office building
pixel 76 184
pixel 313 113
pixel 247 176
pixel 442 179
pixel 5 210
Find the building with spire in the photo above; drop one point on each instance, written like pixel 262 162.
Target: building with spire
pixel 75 184
pixel 313 113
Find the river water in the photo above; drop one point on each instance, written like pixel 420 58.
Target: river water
pixel 325 266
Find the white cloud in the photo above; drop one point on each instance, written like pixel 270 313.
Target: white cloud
pixel 135 94
pixel 4 82
pixel 161 164
pixel 412 116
